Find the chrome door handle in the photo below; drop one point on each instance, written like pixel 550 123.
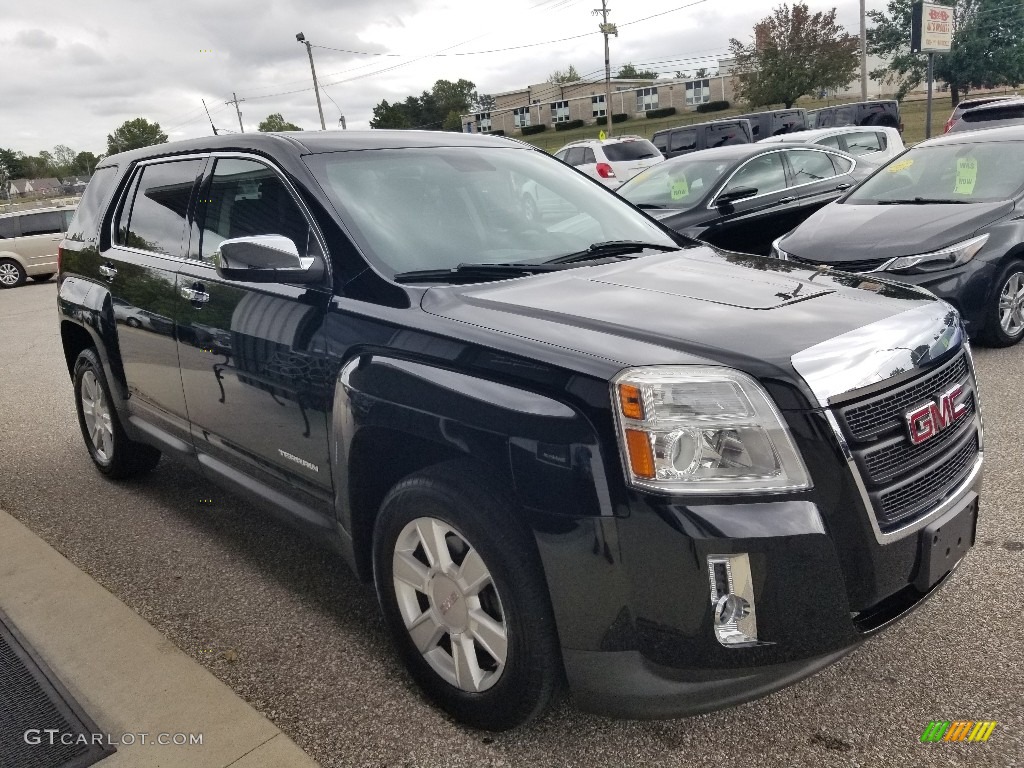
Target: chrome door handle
pixel 199 296
pixel 787 200
pixel 843 186
pixel 108 271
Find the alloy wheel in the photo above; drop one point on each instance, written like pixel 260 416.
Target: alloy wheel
pixel 1011 305
pixel 97 416
pixel 450 604
pixel 9 274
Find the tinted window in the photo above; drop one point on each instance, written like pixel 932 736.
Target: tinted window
pixel 683 141
pixel 575 156
pixel 157 217
pixel 809 166
pixel 787 122
pixel 630 150
pixel 248 198
pixel 588 156
pixel 562 154
pixel 724 135
pixel 47 223
pixel 844 116
pixel 660 141
pixel 9 227
pixel 994 113
pixel 842 164
pixel 764 173
pixel 864 142
pixel 86 222
pixel 829 141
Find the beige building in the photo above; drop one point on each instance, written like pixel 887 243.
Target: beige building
pixel 551 103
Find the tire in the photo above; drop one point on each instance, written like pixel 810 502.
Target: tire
pixel 132 322
pixel 113 453
pixel 498 686
pixel 42 278
pixel 1004 321
pixel 12 274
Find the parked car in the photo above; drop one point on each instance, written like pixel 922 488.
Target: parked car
pixel 684 139
pixel 879 145
pixel 611 161
pixel 779 122
pixel 741 198
pixel 966 104
pixel 994 115
pixel 945 215
pixel 28 244
pixel 877 113
pixel 596 452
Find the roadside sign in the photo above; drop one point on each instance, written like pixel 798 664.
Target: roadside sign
pixel 931 28
pixel 602 136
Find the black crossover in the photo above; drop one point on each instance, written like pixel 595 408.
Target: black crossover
pixel 567 448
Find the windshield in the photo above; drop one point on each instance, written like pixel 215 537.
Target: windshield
pixel 680 183
pixel 961 173
pixel 439 207
pixel 630 150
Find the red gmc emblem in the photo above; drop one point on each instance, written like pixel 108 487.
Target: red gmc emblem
pixel 926 421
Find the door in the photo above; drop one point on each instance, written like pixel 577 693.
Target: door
pixel 140 270
pixel 252 364
pixel 750 225
pixel 817 177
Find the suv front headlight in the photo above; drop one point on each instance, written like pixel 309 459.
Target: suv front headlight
pixel 946 258
pixel 697 430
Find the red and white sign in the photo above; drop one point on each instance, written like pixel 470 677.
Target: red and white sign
pixel 937 28
pixel 926 421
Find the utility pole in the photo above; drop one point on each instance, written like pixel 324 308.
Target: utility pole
pixel 863 52
pixel 316 88
pixel 236 102
pixel 209 118
pixel 607 29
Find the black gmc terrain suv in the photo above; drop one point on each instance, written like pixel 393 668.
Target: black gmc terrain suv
pixel 573 448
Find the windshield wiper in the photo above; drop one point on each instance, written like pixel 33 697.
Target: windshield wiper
pixel 611 248
pixel 464 272
pixel 924 201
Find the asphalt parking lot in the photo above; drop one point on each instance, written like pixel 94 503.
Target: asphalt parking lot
pixel 286 626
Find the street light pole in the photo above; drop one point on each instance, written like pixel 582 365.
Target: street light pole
pixel 607 29
pixel 863 52
pixel 316 88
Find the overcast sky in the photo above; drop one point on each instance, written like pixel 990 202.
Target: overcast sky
pixel 73 70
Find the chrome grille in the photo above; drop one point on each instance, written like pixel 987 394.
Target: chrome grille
pixel 904 481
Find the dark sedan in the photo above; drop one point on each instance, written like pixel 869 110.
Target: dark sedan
pixel 946 215
pixel 743 197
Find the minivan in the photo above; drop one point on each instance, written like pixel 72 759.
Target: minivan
pixel 28 244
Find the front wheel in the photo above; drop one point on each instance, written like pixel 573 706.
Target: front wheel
pixel 1004 325
pixel 462 592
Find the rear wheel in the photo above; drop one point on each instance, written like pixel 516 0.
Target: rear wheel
pixel 114 454
pixel 463 594
pixel 12 274
pixel 1004 325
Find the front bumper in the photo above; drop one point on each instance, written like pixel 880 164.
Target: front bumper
pixel 967 288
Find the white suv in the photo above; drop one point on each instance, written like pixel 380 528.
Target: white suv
pixel 28 244
pixel 612 161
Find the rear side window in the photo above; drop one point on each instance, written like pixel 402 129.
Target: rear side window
pixel 575 156
pixel 995 113
pixel 829 141
pixel 809 166
pixel 683 141
pixel 724 135
pixel 864 142
pixel 159 201
pixel 630 150
pixel 247 198
pixel 44 223
pixel 10 226
pixel 660 141
pixel 765 174
pixel 85 226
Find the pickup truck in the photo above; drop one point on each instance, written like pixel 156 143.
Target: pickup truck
pixel 576 450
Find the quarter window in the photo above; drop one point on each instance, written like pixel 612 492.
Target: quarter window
pixel 153 215
pixel 86 221
pixel 247 198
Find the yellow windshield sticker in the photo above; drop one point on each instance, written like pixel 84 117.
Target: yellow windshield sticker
pixel 680 188
pixel 901 165
pixel 966 176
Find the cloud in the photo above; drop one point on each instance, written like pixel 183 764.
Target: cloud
pixel 35 38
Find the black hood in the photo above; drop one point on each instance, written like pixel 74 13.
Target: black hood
pixel 852 232
pixel 696 306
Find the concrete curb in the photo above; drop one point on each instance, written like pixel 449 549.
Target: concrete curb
pixel 127 676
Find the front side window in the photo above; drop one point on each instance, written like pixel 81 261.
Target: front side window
pixel 435 208
pixel 247 198
pixel 153 214
pixel 765 174
pixel 809 166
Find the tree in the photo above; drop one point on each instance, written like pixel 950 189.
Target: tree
pixel 135 134
pixel 85 162
pixel 13 162
pixel 558 77
pixel 483 102
pixel 432 109
pixel 793 54
pixel 702 73
pixel 64 161
pixel 276 123
pixel 986 50
pixel 682 75
pixel 630 72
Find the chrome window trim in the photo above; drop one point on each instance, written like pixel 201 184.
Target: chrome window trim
pixel 804 148
pixel 951 501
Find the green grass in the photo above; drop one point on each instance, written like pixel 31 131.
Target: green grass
pixel 912 111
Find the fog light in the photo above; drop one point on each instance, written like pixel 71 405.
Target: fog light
pixel 732 599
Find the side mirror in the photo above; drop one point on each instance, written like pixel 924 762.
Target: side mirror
pixel 736 193
pixel 265 259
